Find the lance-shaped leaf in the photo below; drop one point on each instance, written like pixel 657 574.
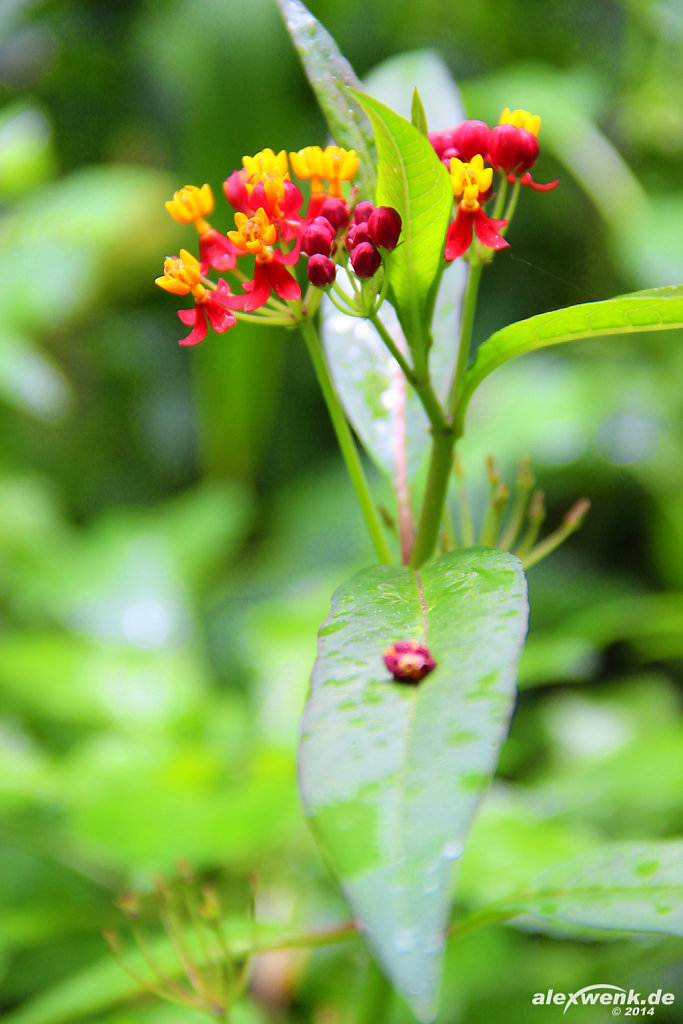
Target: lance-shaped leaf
pixel 658 309
pixel 391 773
pixel 330 73
pixel 383 409
pixel 412 179
pixel 625 887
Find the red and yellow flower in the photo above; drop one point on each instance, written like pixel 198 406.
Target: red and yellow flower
pixel 257 236
pixel 191 205
pixel 513 147
pixel 263 182
pixel 182 276
pixel 471 181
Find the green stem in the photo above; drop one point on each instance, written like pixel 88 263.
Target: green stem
pixel 468 307
pixel 500 199
pixel 376 997
pixel 440 462
pixel 443 442
pixel 346 442
pixel 511 205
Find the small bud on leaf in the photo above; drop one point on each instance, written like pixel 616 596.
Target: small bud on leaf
pixel 408 661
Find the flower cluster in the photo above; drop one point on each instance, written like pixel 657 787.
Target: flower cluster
pixel 275 229
pixel 511 148
pixel 273 232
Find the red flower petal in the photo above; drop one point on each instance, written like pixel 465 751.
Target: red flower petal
pixel 217 251
pixel 220 318
pixel 259 288
pixel 289 258
pixel 282 281
pixel 527 180
pixel 236 191
pixel 200 328
pixel 459 235
pixel 487 230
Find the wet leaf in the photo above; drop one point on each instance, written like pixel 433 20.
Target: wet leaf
pixel 624 887
pixel 391 773
pixel 657 309
pixel 330 73
pixel 411 178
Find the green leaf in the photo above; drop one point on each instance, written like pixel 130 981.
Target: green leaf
pixel 391 773
pixel 623 887
pixel 418 116
pixel 657 309
pixel 329 73
pixel 395 79
pixel 377 401
pixel 411 178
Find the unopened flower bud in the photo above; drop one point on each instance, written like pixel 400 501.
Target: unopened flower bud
pixel 316 239
pixel 408 661
pixel 335 211
pixel 471 137
pixel 362 212
pixel 365 259
pixel 321 270
pixel 384 226
pixel 441 142
pixel 513 150
pixel 361 233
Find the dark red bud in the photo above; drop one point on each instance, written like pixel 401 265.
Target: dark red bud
pixel 362 212
pixel 316 239
pixel 384 226
pixel 321 270
pixel 365 259
pixel 510 149
pixel 471 137
pixel 361 233
pixel 408 661
pixel 334 210
pixel 324 224
pixel 349 237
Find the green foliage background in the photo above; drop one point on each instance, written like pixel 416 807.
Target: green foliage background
pixel 173 522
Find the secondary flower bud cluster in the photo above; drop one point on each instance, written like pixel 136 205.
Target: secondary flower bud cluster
pixel 372 229
pixel 319 241
pixel 510 147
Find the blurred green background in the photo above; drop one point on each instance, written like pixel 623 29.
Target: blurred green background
pixel 173 521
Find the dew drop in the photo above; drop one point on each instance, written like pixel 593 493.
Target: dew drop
pixel 452 849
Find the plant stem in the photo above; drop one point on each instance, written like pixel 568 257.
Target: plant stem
pixel 346 442
pixel 440 462
pixel 375 998
pixel 441 457
pixel 468 307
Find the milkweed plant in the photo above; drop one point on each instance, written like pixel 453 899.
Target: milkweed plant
pixel 414 684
